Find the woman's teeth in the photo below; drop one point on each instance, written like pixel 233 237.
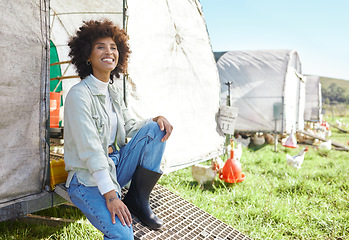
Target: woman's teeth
pixel 109 60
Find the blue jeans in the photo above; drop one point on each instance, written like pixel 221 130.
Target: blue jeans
pixel 144 149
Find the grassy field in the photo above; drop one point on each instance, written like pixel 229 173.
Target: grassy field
pixel 274 202
pixel 340 110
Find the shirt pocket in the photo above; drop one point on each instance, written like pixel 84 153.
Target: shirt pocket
pixel 100 123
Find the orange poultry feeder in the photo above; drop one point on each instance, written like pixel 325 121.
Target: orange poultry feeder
pixel 231 171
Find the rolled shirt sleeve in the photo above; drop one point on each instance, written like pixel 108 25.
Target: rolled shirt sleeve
pixel 103 180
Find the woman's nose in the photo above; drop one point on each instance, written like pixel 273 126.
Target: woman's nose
pixel 109 50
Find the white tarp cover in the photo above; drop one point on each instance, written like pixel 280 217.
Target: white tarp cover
pixel 313 104
pixel 23 90
pixel 266 85
pixel 172 69
pixel 67 16
pixel 174 74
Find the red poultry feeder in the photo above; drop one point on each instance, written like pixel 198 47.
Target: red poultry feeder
pixel 231 171
pixel 291 141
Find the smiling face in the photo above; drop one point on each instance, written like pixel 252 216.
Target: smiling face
pixel 104 58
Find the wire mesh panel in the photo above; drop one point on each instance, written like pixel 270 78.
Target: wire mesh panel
pixel 182 220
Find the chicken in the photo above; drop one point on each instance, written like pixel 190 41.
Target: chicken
pixel 316 142
pixel 203 174
pixel 325 145
pixel 339 122
pixel 283 140
pixel 328 133
pixel 219 163
pixel 296 161
pixel 301 138
pixel 244 141
pixel 269 138
pixel 258 139
pixel 309 126
pixel 322 130
pixel 238 151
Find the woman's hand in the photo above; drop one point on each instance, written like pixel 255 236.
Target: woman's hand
pixel 164 125
pixel 118 208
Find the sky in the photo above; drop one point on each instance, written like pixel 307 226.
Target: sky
pixel 317 29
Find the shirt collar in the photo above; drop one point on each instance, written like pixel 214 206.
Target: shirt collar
pixel 96 86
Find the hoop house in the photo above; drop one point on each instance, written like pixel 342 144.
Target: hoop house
pixel 24 95
pixel 313 99
pixel 267 88
pixel 66 17
pixel 172 72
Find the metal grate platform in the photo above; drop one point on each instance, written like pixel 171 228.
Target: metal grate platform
pixel 182 220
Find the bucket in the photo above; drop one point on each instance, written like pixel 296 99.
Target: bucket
pixel 55 104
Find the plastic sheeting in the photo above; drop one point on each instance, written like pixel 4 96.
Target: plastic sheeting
pixel 66 17
pixel 267 88
pixel 23 98
pixel 173 73
pixel 172 69
pixel 313 103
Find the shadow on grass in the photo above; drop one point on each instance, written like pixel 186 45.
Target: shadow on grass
pixel 254 148
pixel 35 228
pixel 17 229
pixel 217 185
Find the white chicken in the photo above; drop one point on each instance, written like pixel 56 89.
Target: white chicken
pixel 244 141
pixel 296 161
pixel 325 145
pixel 238 151
pixel 203 174
pixel 258 139
pixel 339 122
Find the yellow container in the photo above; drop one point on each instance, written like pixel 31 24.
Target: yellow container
pixel 57 172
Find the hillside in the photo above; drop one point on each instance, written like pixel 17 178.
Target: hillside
pixel 326 82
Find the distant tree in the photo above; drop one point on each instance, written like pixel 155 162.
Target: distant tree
pixel 334 94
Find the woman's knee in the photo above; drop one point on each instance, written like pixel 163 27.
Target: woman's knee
pixel 155 128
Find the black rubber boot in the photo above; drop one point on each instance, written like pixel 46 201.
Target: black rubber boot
pixel 137 197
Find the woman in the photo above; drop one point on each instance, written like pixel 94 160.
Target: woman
pixel 96 124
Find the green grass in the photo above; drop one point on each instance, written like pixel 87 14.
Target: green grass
pixel 341 110
pixel 19 230
pixel 274 202
pixel 337 135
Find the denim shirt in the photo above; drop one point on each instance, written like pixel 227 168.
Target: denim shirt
pixel 87 131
